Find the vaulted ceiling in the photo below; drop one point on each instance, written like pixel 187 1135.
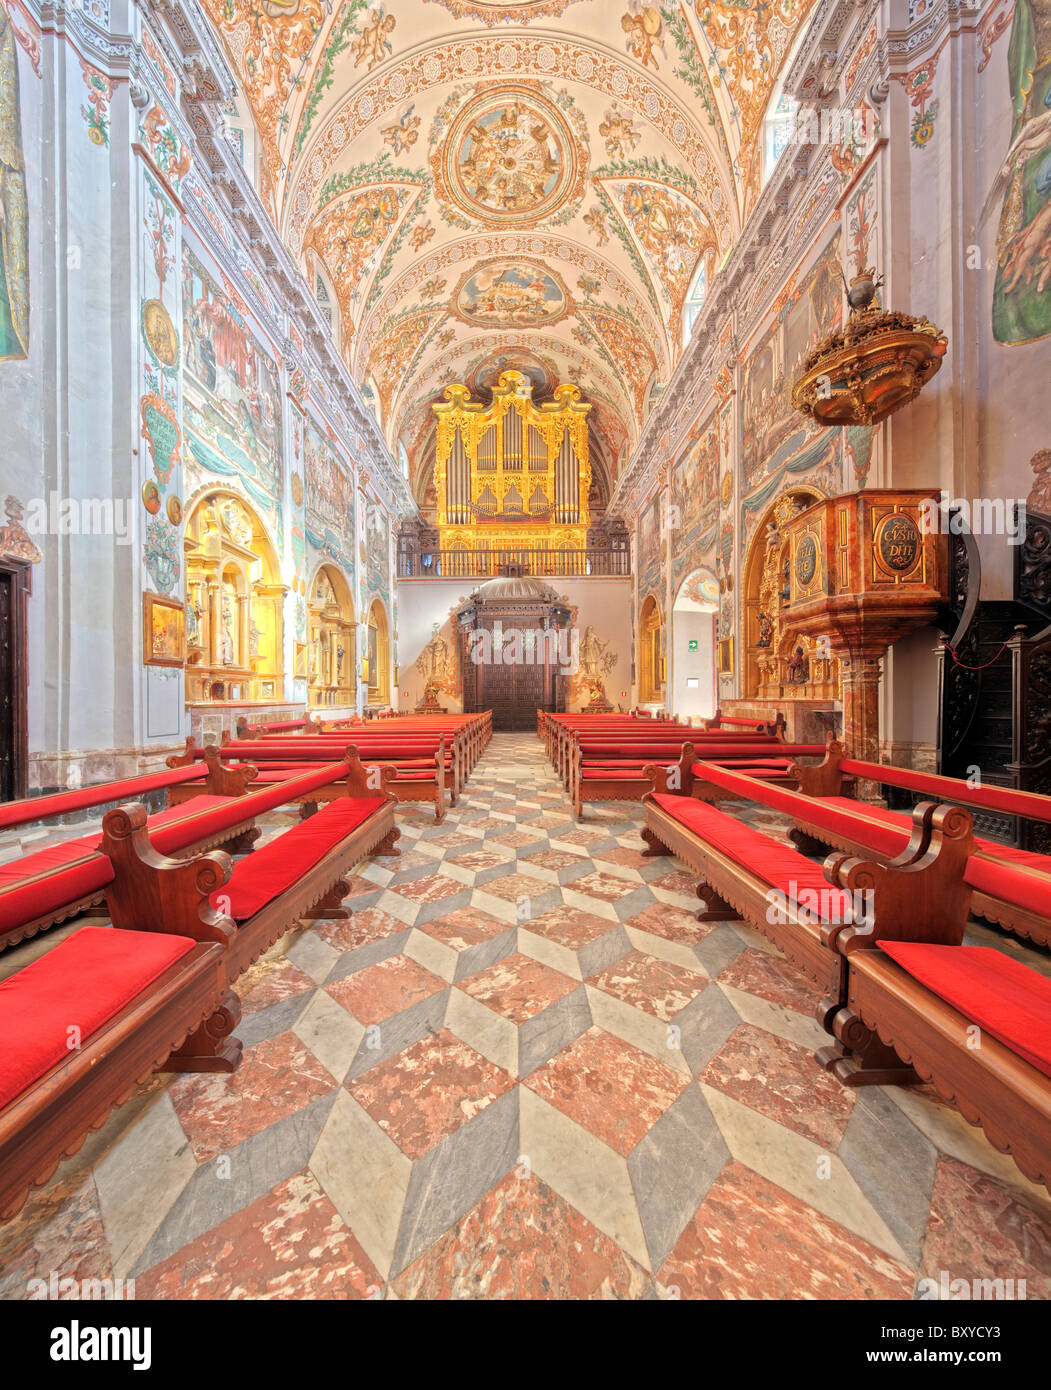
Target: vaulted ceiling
pixel 486 185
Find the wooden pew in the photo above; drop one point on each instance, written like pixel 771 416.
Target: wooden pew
pixel 746 874
pixel 599 774
pixel 915 1000
pixel 53 884
pixel 303 873
pixel 1011 887
pixel 424 777
pixel 893 1001
pixel 775 726
pixel 154 1003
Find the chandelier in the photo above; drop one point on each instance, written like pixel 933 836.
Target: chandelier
pixel 878 362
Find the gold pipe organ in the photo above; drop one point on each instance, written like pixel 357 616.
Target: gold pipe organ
pixel 513 474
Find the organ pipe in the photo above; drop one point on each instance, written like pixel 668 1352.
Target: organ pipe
pixel 481 454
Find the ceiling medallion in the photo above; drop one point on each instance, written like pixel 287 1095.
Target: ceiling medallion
pixel 878 362
pixel 511 157
pixel 511 293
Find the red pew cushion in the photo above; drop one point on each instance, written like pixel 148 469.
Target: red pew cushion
pixel 1008 1000
pixel 782 867
pixel 41 883
pixel 84 982
pixel 1017 876
pixel 267 873
pixel 41 807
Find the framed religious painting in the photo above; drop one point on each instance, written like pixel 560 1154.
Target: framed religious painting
pixel 163 631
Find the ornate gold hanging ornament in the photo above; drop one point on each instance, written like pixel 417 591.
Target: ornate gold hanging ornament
pixel 878 362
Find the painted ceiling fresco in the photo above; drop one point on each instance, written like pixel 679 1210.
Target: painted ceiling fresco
pixel 531 183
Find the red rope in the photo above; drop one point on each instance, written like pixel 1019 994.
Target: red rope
pixel 963 664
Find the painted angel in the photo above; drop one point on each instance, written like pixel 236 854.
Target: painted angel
pixel 405 133
pixel 374 43
pixel 645 30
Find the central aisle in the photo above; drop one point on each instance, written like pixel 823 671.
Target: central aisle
pixel 523 1069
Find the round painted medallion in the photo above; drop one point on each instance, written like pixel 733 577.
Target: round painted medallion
pixel 510 157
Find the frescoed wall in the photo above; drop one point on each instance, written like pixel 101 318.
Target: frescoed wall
pixel 231 394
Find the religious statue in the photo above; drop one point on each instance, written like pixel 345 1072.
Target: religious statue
pixel 798 667
pixel 766 630
pixel 435 663
pixel 14 207
pixel 226 641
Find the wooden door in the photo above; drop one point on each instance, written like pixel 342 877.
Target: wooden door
pixel 14 678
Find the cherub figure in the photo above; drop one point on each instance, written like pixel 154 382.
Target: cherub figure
pixel 405 133
pixel 421 235
pixel 596 221
pixel 620 135
pixel 374 43
pixel 644 28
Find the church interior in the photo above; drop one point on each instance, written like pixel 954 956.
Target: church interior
pixel 525 650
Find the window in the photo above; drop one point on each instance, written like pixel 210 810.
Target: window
pixel 777 132
pixel 695 299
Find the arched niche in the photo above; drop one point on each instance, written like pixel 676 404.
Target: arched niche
pixel 779 664
pixel 332 638
pixel 234 603
pixel 693 638
pixel 650 647
pixel 377 671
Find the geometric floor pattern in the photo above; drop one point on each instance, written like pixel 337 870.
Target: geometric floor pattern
pixel 523 1069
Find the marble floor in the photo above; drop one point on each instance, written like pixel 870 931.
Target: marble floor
pixel 522 1069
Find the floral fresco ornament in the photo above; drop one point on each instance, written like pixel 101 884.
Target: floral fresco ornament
pixel 161 555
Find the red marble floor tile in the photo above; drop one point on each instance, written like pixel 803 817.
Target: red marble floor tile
pixel 368 924
pixel 629 858
pixel 59 1229
pixel 410 862
pixel 606 887
pixel 583 835
pixel 429 1091
pixel 290 1243
pixel 553 859
pixel 464 927
pixel 678 881
pixel 550 820
pixel 773 978
pixel 753 1240
pixel 523 1241
pixel 429 889
pixel 453 839
pixel 277 1077
pixel 479 859
pixel 570 927
pixel 980 1228
pixel 269 982
pixel 505 821
pixel 782 1081
pixel 518 988
pixel 361 887
pixel 515 886
pixel 382 990
pixel 517 839
pixel 609 1087
pixel 644 982
pixel 671 924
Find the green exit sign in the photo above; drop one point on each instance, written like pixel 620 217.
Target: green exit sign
pixel 693 645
